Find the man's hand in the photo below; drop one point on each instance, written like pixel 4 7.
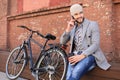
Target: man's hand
pixel 76 58
pixel 70 25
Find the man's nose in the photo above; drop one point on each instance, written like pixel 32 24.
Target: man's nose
pixel 79 15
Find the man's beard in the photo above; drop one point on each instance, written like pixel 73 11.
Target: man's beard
pixel 79 22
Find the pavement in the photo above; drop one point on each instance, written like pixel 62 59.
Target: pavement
pixel 4 77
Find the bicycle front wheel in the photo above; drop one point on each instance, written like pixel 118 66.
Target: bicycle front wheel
pixel 15 63
pixel 52 66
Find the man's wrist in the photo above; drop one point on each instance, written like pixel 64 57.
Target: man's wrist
pixel 83 55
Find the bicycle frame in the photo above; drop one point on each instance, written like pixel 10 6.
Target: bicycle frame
pixel 27 46
pixel 45 61
pixel 28 43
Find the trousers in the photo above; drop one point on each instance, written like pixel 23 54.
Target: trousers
pixel 75 72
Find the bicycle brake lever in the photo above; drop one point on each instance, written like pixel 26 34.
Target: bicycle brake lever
pixel 21 26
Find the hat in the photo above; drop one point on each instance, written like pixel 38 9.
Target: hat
pixel 75 8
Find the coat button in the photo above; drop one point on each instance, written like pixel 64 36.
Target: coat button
pixel 89 36
pixel 88 45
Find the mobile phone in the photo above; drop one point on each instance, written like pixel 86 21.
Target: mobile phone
pixel 75 22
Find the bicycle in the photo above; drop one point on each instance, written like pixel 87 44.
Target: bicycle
pixel 50 65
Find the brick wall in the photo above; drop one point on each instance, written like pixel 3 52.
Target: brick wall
pixel 45 22
pixel 116 30
pixel 31 4
pixel 100 11
pixel 53 19
pixel 12 7
pixel 3 24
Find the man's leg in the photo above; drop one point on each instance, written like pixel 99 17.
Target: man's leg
pixel 81 68
pixel 69 71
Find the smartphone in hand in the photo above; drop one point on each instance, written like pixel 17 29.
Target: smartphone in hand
pixel 75 21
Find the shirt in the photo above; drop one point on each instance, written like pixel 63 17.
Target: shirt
pixel 78 40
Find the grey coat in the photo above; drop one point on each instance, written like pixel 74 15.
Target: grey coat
pixel 91 33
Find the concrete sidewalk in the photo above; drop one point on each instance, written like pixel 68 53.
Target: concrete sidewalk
pixel 4 77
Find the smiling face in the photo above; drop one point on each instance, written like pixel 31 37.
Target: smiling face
pixel 79 17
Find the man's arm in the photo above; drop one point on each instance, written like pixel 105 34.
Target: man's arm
pixel 65 38
pixel 66 35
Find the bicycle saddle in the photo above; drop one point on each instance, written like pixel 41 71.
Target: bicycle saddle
pixel 50 36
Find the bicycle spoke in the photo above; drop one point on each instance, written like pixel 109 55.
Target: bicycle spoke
pixel 45 76
pixel 55 60
pixel 56 77
pixel 15 63
pixel 50 78
pixel 58 73
pixel 56 65
pixel 46 61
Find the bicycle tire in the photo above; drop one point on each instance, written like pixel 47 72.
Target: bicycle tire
pixel 55 65
pixel 14 67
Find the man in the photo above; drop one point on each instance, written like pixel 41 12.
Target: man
pixel 84 38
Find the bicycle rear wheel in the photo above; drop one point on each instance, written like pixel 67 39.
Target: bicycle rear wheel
pixel 15 63
pixel 54 65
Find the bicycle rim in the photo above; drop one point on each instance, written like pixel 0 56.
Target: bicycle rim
pixel 15 66
pixel 55 65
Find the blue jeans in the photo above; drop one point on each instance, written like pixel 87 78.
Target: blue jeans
pixel 75 72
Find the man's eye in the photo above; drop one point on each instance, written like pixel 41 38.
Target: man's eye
pixel 75 14
pixel 81 12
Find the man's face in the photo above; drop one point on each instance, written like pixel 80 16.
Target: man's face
pixel 78 16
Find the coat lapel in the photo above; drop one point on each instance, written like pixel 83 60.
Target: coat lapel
pixel 72 37
pixel 85 26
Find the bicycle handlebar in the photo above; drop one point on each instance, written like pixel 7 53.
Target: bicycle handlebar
pixel 48 36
